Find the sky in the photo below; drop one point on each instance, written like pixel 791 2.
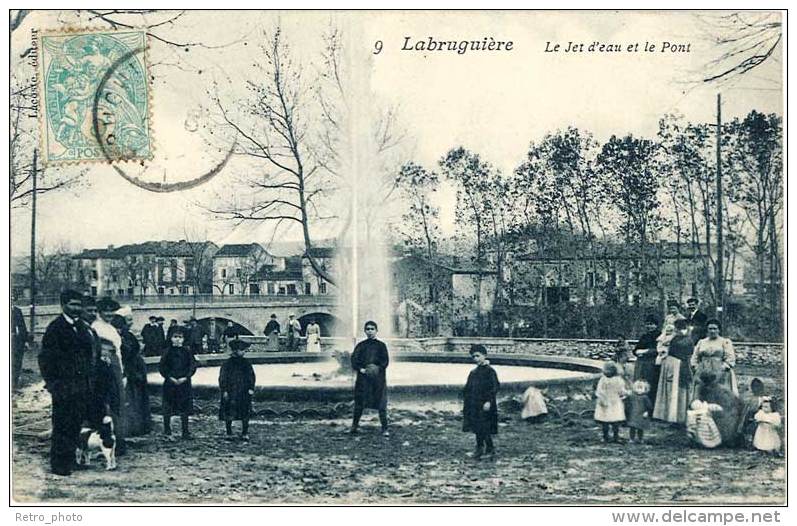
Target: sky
pixel 493 103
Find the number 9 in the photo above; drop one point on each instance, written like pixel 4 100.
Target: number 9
pixel 377 47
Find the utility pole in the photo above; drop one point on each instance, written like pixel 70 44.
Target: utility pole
pixel 33 245
pixel 720 251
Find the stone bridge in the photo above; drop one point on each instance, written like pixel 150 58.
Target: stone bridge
pixel 250 312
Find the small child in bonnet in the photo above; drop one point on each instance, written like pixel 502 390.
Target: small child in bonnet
pixel 639 410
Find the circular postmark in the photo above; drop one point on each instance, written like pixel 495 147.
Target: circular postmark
pixel 173 166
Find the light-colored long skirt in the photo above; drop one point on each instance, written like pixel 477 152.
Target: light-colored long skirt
pixel 313 343
pixel 672 399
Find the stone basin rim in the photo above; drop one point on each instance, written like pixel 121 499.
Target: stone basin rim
pixel 592 368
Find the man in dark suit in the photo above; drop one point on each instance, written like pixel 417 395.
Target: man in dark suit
pixel 696 319
pixel 65 363
pixel 153 337
pixel 19 343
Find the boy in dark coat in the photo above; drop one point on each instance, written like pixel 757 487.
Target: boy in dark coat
pixel 177 366
pixel 370 360
pixel 480 412
pixel 237 385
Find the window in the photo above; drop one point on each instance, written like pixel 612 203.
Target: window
pixel 307 289
pixel 160 291
pixel 93 291
pixel 254 289
pixel 232 288
pixel 171 291
pixel 270 288
pixel 281 290
pixel 184 290
pixel 237 273
pixel 322 287
pixel 611 278
pixel 589 280
pixel 93 274
pixel 223 272
pixel 292 289
pixel 130 291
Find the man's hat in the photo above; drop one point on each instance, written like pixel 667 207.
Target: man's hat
pixel 160 318
pixel 239 345
pixel 88 301
pixel 153 318
pixel 107 305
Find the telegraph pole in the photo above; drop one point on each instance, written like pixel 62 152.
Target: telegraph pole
pixel 720 251
pixel 33 245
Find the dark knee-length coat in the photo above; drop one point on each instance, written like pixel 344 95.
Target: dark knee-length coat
pixel 137 412
pixel 370 390
pixel 236 378
pixel 178 362
pixel 482 386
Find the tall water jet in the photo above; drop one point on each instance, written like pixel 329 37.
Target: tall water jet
pixel 362 256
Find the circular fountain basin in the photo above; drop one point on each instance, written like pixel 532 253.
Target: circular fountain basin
pixel 302 376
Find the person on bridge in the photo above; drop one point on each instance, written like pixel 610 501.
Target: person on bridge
pixel 294 333
pixel 370 359
pixel 313 336
pixel 65 365
pixel 195 336
pixel 153 337
pixel 272 332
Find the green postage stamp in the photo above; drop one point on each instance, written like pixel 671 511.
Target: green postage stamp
pixel 95 97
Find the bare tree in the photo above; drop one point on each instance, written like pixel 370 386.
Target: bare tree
pixel 271 126
pixel 744 40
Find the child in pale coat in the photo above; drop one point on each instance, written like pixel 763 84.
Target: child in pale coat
pixel 609 407
pixel 767 437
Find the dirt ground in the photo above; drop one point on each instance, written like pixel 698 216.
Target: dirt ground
pixel 425 460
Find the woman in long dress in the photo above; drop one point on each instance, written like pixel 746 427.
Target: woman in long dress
pixel 272 332
pixel 715 354
pixel 313 337
pixel 675 378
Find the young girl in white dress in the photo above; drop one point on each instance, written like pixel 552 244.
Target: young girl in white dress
pixel 767 436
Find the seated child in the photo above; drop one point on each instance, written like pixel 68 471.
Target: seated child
pixel 177 366
pixel 751 403
pixel 237 385
pixel 609 407
pixel 767 437
pixel 480 412
pixel 640 409
pixel 700 425
pixel 534 408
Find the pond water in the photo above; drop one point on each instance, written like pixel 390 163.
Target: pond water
pixel 398 373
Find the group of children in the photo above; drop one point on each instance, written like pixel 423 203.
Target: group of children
pixel 236 384
pixel 619 401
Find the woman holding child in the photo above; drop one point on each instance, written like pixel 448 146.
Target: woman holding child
pixel 675 378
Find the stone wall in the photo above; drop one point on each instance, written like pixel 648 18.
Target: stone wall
pixel 755 354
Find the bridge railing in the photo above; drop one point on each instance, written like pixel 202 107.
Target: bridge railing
pixel 203 299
